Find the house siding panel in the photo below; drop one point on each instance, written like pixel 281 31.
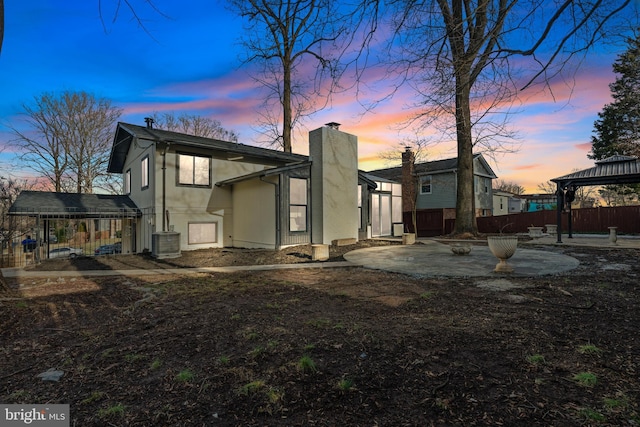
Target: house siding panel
pixel 443 193
pixel 254 214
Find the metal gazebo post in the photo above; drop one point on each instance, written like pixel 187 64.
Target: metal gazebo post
pixel 559 204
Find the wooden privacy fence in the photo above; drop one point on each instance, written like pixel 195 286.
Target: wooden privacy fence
pixel 586 220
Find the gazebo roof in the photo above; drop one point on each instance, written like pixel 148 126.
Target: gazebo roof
pixel 612 170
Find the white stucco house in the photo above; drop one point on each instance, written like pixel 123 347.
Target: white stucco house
pixel 197 192
pixel 505 202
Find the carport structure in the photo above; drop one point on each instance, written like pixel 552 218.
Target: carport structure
pixel 612 170
pixel 40 210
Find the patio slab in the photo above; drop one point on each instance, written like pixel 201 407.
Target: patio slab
pixel 436 259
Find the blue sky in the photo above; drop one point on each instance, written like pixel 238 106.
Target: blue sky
pixel 189 62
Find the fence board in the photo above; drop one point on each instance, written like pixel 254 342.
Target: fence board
pixel 586 220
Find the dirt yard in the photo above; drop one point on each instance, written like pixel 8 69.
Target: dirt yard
pixel 326 347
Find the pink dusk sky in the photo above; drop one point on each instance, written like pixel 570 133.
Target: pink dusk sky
pixel 188 62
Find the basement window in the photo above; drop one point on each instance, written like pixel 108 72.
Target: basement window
pixel 203 232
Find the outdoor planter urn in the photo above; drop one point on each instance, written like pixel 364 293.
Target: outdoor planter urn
pixel 535 232
pixel 503 247
pixel 461 249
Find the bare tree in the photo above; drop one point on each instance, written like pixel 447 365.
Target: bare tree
pixel 618 195
pixel 418 145
pixel 10 188
pixel 296 45
pixel 1 23
pixel 509 186
pixel 584 196
pixel 547 187
pixel 194 125
pixel 68 139
pixel 460 58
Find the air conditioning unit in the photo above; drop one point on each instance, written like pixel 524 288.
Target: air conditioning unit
pixel 165 244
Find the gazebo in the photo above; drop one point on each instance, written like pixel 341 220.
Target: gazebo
pixel 612 170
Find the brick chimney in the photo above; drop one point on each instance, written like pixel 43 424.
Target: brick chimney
pixel 408 180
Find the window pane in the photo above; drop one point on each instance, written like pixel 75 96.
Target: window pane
pixel 375 215
pixel 359 195
pixel 127 182
pixel 386 186
pixel 396 189
pixel 202 171
pixel 145 172
pixel 297 191
pixel 396 209
pixel 297 218
pixel 185 164
pixel 203 233
pixel 385 214
pixel 425 184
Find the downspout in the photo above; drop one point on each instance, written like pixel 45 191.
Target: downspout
pixel 277 193
pixel 164 185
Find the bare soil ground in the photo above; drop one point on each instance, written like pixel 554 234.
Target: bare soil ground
pixel 326 347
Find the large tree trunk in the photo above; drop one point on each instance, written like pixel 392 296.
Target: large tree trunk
pixel 465 199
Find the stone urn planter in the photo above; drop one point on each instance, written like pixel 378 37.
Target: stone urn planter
pixel 461 249
pixel 503 248
pixel 613 234
pixel 552 229
pixel 535 232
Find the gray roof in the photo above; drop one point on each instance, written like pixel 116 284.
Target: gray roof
pixel 362 176
pixel 428 168
pixel 69 204
pixel 263 173
pixel 612 170
pixel 125 134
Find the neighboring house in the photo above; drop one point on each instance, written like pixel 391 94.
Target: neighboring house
pixel 211 193
pixel 436 183
pixel 505 202
pixel 540 202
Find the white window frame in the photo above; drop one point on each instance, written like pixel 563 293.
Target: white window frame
pixel 422 177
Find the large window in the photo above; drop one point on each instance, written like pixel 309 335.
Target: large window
pixel 396 203
pixel 194 170
pixel 203 232
pixel 297 204
pixel 144 169
pixel 425 184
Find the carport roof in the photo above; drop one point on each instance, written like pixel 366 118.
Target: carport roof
pixel 49 204
pixel 612 170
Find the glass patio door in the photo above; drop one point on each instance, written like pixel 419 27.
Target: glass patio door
pixel 380 215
